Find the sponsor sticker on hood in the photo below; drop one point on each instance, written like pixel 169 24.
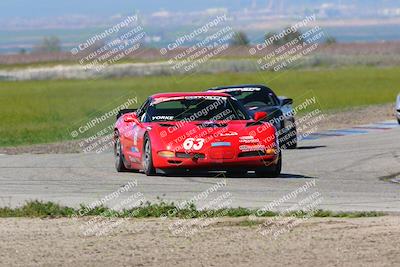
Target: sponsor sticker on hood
pixel 246 137
pixel 247 148
pixel 229 134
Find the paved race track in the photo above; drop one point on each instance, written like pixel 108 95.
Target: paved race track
pixel 350 172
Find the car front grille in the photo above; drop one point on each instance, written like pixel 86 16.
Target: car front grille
pixel 255 153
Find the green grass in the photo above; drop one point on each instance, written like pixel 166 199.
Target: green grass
pixel 46 111
pixel 147 210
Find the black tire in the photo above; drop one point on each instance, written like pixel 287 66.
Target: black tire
pixel 398 120
pixel 118 155
pixel 271 171
pixel 289 140
pixel 148 167
pixel 292 143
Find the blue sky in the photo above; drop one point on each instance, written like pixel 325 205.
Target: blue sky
pixel 48 8
pixel 45 8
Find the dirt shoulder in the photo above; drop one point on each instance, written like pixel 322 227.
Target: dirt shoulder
pixel 225 242
pixel 334 120
pixel 357 116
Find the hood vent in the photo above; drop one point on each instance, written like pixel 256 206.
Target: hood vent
pixel 253 123
pixel 212 125
pixel 167 125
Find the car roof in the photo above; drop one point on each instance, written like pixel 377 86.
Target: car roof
pixel 188 94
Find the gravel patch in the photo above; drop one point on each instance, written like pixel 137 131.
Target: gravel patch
pixel 226 242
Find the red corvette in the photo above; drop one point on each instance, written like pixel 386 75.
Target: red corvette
pixel 203 131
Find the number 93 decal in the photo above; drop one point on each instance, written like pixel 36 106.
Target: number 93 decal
pixel 196 144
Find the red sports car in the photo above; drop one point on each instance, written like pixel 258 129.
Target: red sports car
pixel 204 131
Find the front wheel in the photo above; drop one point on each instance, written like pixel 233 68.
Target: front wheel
pixel 271 171
pixel 148 167
pixel 292 144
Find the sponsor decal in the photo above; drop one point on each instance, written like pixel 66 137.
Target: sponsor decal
pixel 165 99
pixel 242 89
pixel 167 118
pixel 219 144
pixel 247 148
pixel 135 134
pixel 134 149
pixel 132 159
pixel 249 141
pixel 229 134
pixel 206 97
pixel 246 137
pixel 195 144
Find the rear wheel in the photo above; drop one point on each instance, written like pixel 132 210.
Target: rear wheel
pixel 148 167
pixel 118 155
pixel 271 171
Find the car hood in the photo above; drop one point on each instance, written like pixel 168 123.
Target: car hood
pixel 172 135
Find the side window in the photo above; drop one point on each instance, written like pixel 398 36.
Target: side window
pixel 141 112
pixel 273 97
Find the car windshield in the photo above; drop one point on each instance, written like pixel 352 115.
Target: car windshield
pixel 195 108
pixel 253 97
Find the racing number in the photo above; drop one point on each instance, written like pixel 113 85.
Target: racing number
pixel 196 144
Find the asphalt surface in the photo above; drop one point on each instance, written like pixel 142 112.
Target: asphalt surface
pixel 352 173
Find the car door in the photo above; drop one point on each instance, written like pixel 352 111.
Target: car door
pixel 138 132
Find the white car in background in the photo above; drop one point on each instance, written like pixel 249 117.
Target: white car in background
pixel 397 111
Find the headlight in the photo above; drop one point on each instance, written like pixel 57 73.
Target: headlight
pixel 270 151
pixel 166 154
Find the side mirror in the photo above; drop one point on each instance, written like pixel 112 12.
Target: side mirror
pixel 131 117
pixel 260 115
pixel 286 101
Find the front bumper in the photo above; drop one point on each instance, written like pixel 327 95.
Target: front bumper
pixel 207 162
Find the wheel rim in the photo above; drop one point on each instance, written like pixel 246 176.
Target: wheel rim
pixel 117 151
pixel 147 155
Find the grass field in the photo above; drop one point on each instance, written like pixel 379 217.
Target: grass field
pixel 46 111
